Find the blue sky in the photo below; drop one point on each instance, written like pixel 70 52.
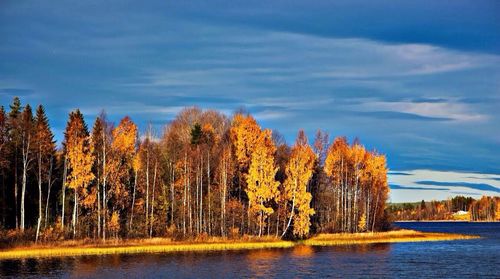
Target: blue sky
pixel 417 80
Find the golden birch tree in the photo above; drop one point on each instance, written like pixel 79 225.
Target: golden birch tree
pixel 298 172
pixel 261 184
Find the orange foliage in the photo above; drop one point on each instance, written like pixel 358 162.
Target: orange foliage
pixel 298 171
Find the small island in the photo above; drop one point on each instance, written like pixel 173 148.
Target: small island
pixel 208 182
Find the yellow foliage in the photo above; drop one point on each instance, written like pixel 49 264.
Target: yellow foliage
pixel 298 171
pixel 79 154
pixel 362 223
pixel 114 222
pixel 80 161
pixel 245 133
pixel 124 136
pixel 262 187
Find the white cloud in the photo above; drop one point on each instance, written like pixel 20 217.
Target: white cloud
pixel 449 110
pixel 412 177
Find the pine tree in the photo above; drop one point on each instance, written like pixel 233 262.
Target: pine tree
pixel 44 148
pixel 4 161
pixel 97 150
pixel 27 138
pixel 14 138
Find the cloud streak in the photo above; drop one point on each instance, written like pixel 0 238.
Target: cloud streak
pixel 475 186
pixel 415 185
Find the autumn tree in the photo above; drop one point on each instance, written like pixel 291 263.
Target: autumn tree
pixel 377 190
pixel 245 133
pixel 120 165
pixel 359 186
pixel 80 160
pixel 336 166
pixel 298 173
pixel 261 184
pixel 102 152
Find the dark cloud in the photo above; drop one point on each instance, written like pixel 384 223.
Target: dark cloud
pixel 399 116
pixel 327 19
pixel 399 187
pixel 430 100
pixel 399 173
pixel 476 186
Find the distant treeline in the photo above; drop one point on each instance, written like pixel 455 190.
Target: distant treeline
pixel 457 208
pixel 206 174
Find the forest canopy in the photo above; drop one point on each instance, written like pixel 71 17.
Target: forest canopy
pixel 205 174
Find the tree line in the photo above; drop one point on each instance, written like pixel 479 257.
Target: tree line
pixel 206 174
pixel 457 208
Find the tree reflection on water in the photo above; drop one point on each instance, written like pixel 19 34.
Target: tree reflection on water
pixel 300 260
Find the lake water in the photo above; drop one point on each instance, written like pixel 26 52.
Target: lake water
pixel 477 258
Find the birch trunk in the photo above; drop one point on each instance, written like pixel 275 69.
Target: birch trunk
pixel 26 161
pixel 49 187
pixel 152 203
pixel 39 194
pixel 65 174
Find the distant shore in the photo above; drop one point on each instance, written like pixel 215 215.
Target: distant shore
pixel 160 245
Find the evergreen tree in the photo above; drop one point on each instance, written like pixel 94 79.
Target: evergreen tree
pixel 44 149
pixel 27 148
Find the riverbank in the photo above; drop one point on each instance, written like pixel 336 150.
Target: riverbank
pixel 167 246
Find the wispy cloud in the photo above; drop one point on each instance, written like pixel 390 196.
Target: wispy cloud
pixel 399 187
pixel 450 110
pixel 476 186
pixel 443 184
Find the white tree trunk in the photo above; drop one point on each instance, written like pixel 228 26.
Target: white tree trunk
pixel 133 202
pixel 39 195
pixel 65 173
pixel 26 162
pixel 75 207
pixel 152 202
pixel 49 187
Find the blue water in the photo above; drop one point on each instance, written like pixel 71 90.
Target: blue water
pixel 476 258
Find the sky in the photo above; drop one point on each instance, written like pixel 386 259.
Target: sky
pixel 416 80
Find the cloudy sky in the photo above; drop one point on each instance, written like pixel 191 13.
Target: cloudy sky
pixel 417 80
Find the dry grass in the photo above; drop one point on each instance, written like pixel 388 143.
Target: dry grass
pixel 462 217
pixel 137 246
pixel 382 237
pixel 166 245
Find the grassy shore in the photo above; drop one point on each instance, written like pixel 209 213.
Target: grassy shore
pixel 382 237
pixel 160 245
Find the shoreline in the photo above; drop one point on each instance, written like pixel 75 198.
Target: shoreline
pixel 156 246
pixel 396 236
